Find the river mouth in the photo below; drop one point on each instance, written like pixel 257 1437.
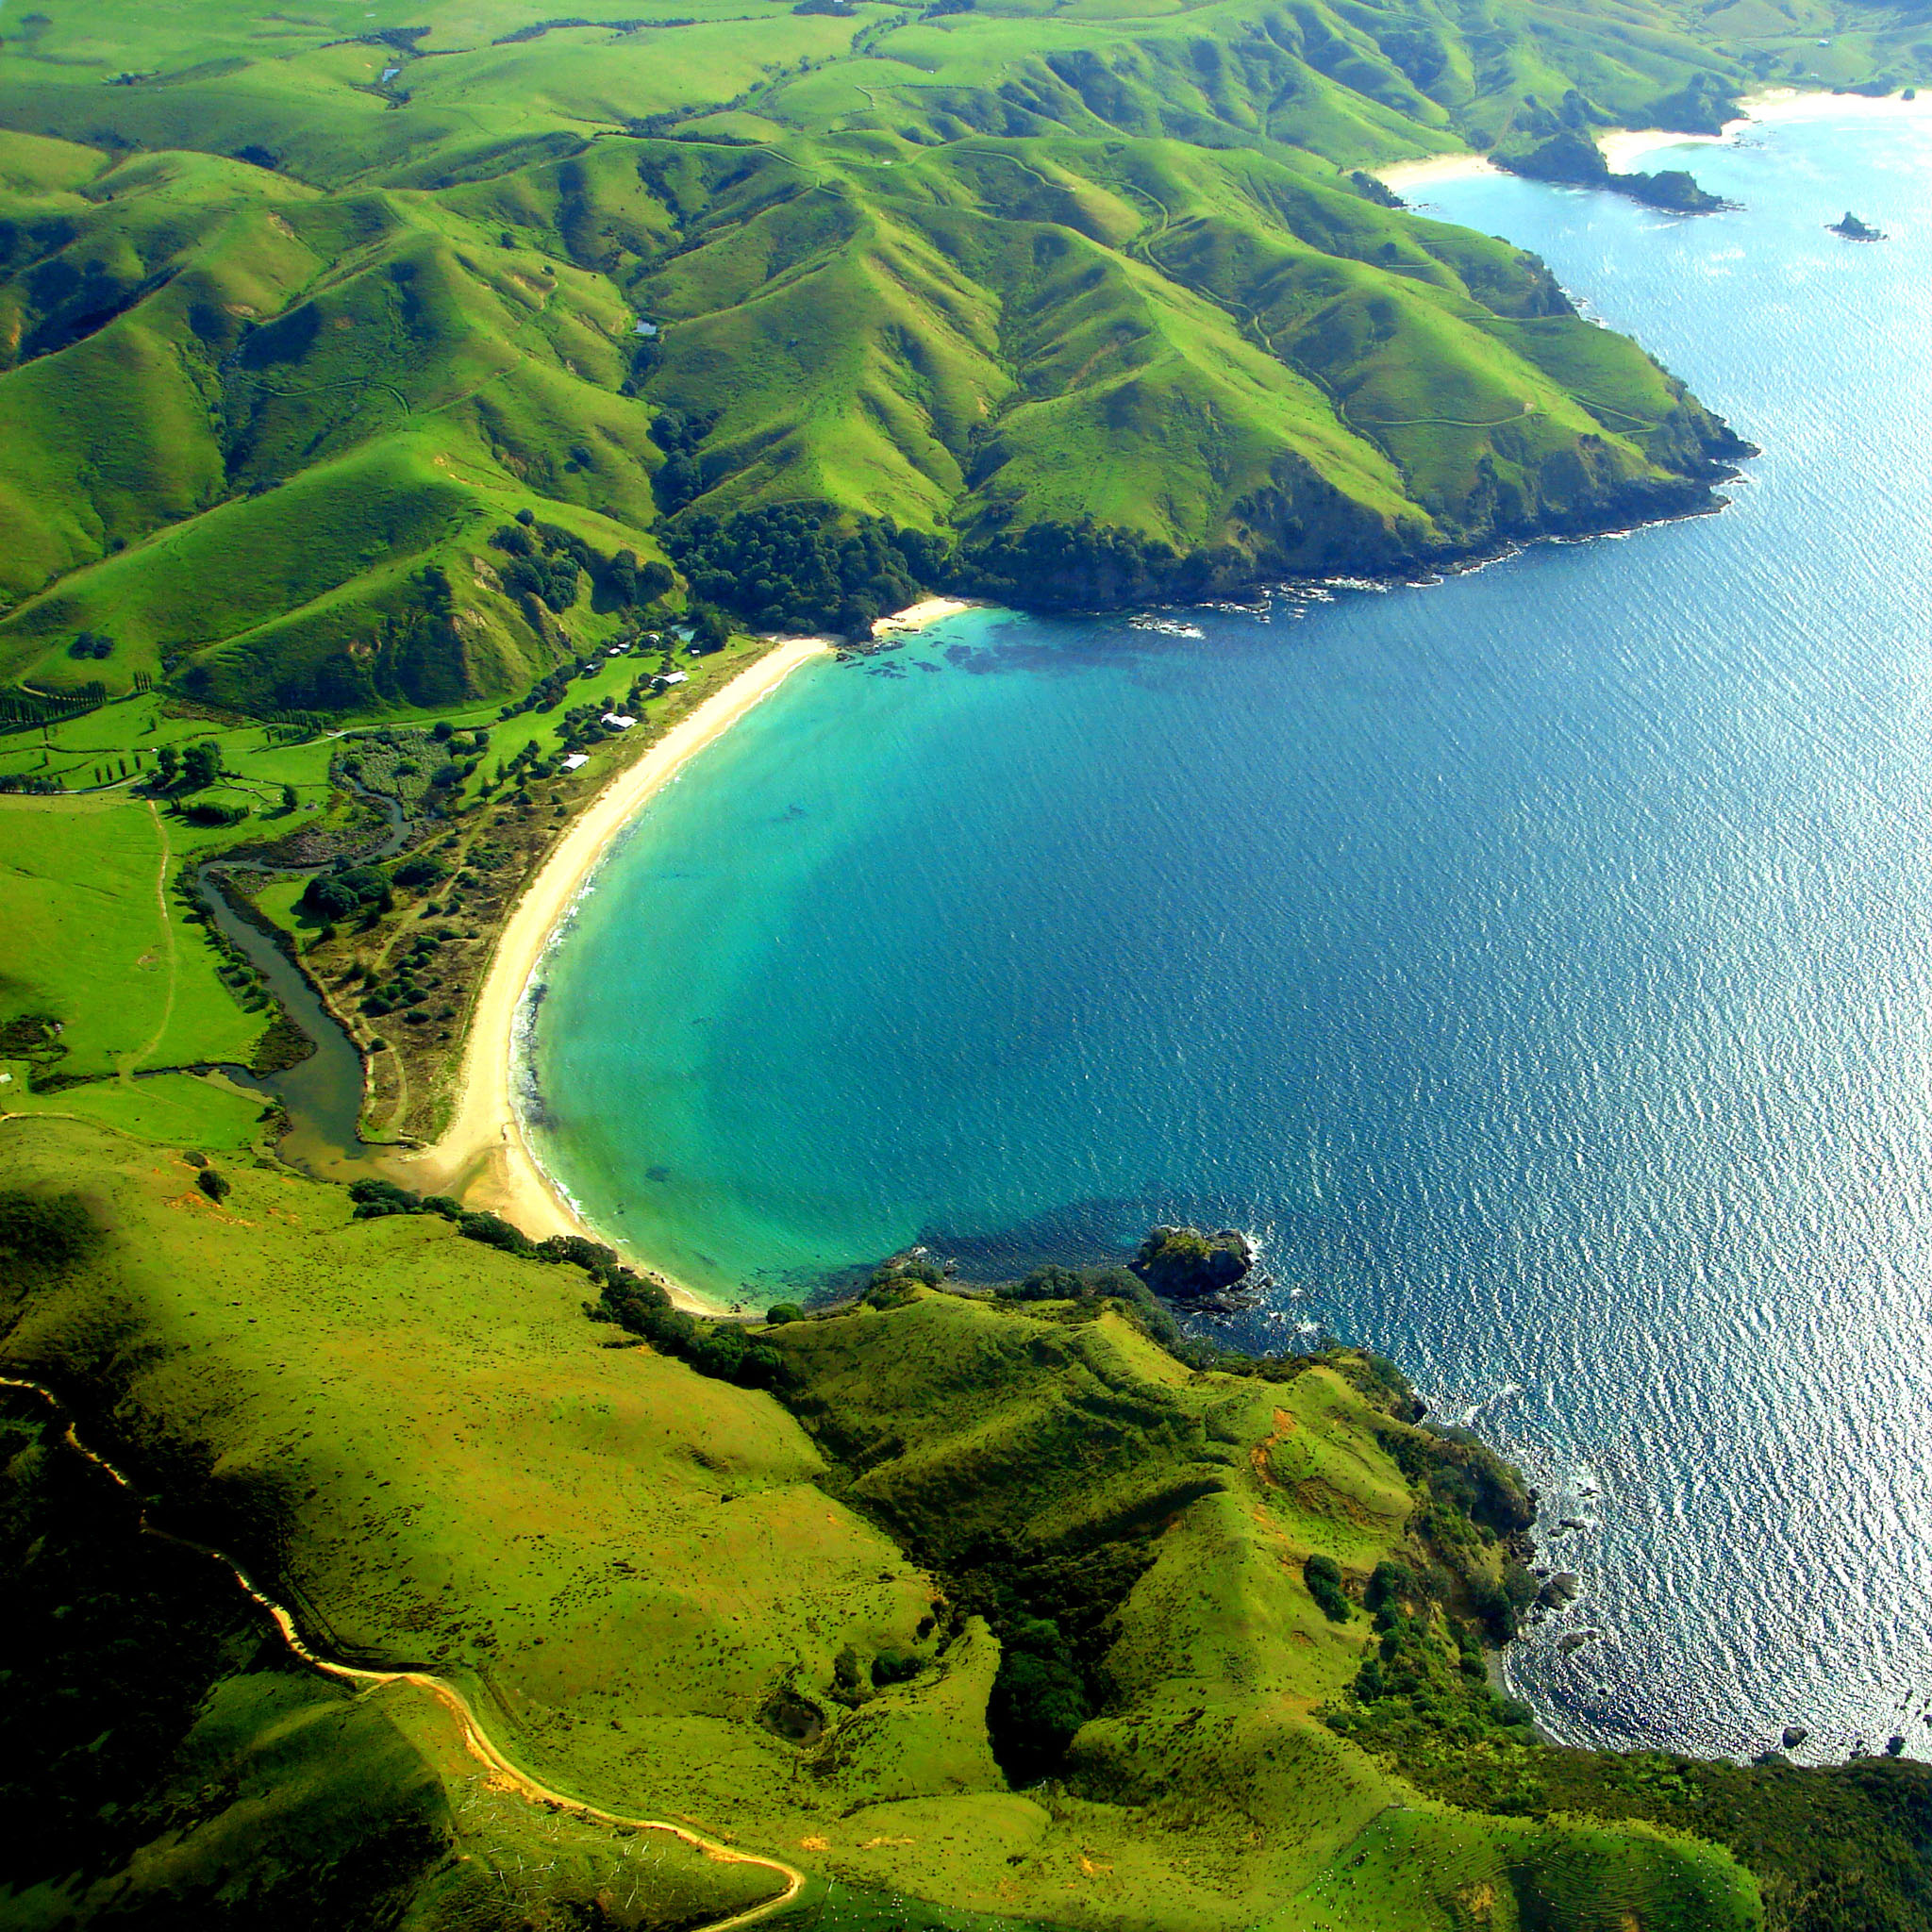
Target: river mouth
pixel 322 1095
pixel 1538 962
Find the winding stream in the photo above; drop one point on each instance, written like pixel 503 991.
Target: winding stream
pixel 320 1094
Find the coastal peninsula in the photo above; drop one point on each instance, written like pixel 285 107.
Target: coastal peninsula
pixel 1572 159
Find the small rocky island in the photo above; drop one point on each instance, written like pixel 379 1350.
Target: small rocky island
pixel 1572 159
pixel 1198 1270
pixel 1853 230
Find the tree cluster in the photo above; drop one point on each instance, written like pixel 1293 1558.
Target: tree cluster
pixel 720 1349
pixel 337 895
pixel 420 871
pixel 194 770
pixel 208 811
pixel 376 1199
pixel 1473 1506
pixel 1078 566
pixel 802 566
pixel 91 644
pixel 1052 1608
pixel 679 478
pixel 545 564
pixel 1322 1576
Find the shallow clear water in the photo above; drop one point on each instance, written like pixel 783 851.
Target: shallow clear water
pixel 1542 962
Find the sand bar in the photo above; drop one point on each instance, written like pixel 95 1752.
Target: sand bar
pixel 928 611
pixel 483 1157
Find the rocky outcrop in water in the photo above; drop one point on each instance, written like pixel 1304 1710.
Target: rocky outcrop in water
pixel 1182 1264
pixel 1572 159
pixel 1853 230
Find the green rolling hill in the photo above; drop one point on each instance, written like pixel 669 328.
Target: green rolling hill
pixel 1084 303
pixel 984 1614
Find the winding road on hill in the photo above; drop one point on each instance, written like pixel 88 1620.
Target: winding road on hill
pixel 477 1740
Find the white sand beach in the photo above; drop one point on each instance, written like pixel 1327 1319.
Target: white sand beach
pixel 928 611
pixel 1624 148
pixel 483 1158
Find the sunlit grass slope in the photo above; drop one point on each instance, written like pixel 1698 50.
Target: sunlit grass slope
pixel 1206 1793
pixel 260 437
pixel 94 942
pixel 667 1599
pixel 1088 291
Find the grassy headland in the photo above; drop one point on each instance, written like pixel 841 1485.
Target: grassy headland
pixel 1003 1605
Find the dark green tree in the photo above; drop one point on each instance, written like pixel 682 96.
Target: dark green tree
pixel 1322 1576
pixel 201 765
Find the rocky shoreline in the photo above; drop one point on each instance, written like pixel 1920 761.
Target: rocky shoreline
pixel 1121 576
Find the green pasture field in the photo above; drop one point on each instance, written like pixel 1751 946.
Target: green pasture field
pixel 95 939
pixel 97 933
pixel 173 1109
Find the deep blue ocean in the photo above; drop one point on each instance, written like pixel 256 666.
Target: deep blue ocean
pixel 1540 962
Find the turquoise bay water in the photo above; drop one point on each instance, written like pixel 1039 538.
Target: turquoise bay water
pixel 1540 962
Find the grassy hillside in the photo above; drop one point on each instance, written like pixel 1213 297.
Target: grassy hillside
pixel 1012 1612
pixel 294 310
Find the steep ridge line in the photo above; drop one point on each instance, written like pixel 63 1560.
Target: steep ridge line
pixel 476 1741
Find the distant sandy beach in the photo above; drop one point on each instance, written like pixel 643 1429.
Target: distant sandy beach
pixel 1405 177
pixel 928 611
pixel 483 1158
pixel 1623 147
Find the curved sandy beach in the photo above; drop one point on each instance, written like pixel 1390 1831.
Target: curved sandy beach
pixel 483 1158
